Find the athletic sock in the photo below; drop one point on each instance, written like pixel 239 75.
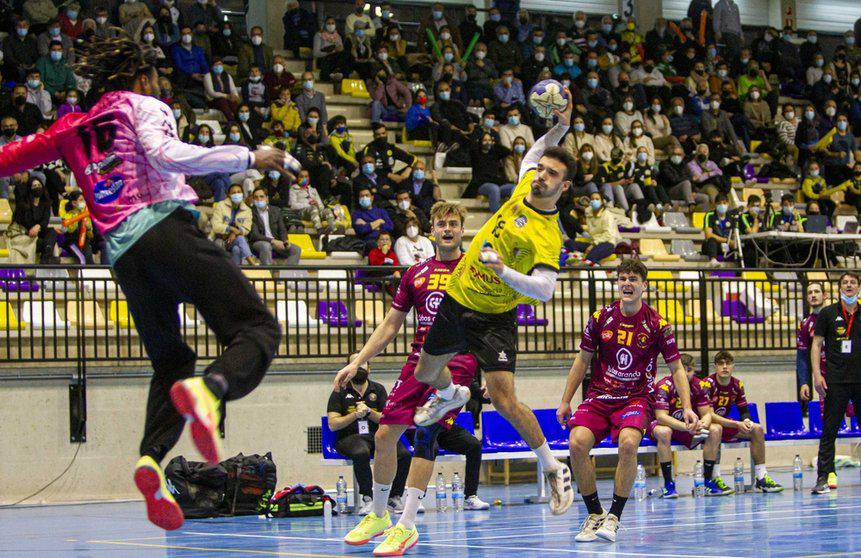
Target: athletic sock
pixel 381 498
pixel 593 503
pixel 446 393
pixel 667 470
pixel 760 471
pixel 708 469
pixel 716 472
pixel 217 384
pixel 618 505
pixel 412 499
pixel 545 457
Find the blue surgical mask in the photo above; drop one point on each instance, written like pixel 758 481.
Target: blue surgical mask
pixel 234 137
pixel 260 204
pixel 656 108
pixel 489 122
pixel 642 157
pixel 56 56
pixel 842 125
pixel 607 128
pixel 579 127
pixel 236 198
pixel 444 95
pixel 809 114
pixel 419 174
pixel 592 82
pixel 606 27
pixel 204 138
pixel 537 40
pixel 341 129
pixel 569 62
pixel 592 44
pixel 54 31
pixel 365 202
pixel 308 84
pixel 850 300
pixel 226 32
pixel 503 39
pixel 814 173
pixel 437 14
pixel 73 14
pixel 498 17
pixel 595 204
pixel 787 211
pixel 712 52
pixel 721 208
pixel 177 113
pixel 275 175
pixel 244 116
pixel 217 69
pixel 22 31
pixel 519 148
pixel 514 120
pixel 33 83
pixel 368 168
pixel 592 63
pixel 448 56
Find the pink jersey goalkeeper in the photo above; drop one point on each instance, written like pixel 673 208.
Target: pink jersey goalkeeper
pixel 125 155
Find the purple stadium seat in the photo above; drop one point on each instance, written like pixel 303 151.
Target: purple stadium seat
pixel 736 310
pixel 370 287
pixel 14 280
pixel 526 316
pixel 334 314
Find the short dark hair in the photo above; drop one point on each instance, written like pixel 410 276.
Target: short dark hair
pixel 724 356
pixel 377 125
pixel 787 197
pixel 635 266
pixel 563 156
pixel 260 189
pixel 721 197
pixel 753 199
pixel 852 274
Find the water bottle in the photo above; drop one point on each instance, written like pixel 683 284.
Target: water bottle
pixel 327 510
pixel 738 476
pixel 441 496
pixel 457 493
pixel 699 480
pixel 797 474
pixel 341 495
pixel 640 484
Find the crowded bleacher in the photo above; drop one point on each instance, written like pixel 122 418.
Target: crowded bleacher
pixel 686 140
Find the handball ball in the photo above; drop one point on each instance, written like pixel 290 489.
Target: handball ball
pixel 547 96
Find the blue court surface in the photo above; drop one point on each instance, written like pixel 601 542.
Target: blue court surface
pixel 788 524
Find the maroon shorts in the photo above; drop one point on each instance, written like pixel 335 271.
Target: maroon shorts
pixel 604 417
pixel 681 436
pixel 730 433
pixel 408 393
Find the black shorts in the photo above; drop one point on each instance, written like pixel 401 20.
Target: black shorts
pixel 492 338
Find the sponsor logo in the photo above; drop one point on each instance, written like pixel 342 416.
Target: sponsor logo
pixel 171 487
pixel 841 330
pixel 624 359
pixel 372 396
pixel 433 301
pixel 642 340
pixel 606 335
pixel 631 414
pixel 108 190
pixel 646 327
pixel 502 357
pixel 418 282
pixel 520 222
pixel 104 166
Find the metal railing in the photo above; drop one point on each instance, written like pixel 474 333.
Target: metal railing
pixel 73 314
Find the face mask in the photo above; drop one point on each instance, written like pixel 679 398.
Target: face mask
pixel 676 159
pixel 520 149
pixel 148 37
pixel 54 31
pixel 592 83
pixel 218 68
pixel 412 232
pixel 587 156
pixel 595 204
pixel 448 56
pixel 226 32
pixel 637 132
pixel 330 27
pixel 204 138
pixel 513 120
pixel 842 125
pixel 809 114
pixel 715 105
pixel 56 56
pixel 395 38
pixel 342 128
pixel 561 42
pixel 445 36
pixel 72 100
pixel 539 57
pixel 308 84
pixel 814 173
pixel 260 204
pixel 607 128
pixel 368 168
pixel 437 14
pixel 850 300
pixel 606 28
pixel 827 78
pixel 787 211
pixel 81 205
pixel 186 39
pixel 444 95
pixel 236 199
pixel 256 40
pixel 489 122
pixel 831 111
pixel 679 110
pixel 579 127
pixel 850 41
pixel 365 202
pixel 22 31
pixel 722 73
pixel 101 20
pixel 9 132
pixel 819 62
pixel 313 121
pixel 757 210
pixel 20 101
pixel 244 116
pixel 404 204
pixel 495 18
pixel 178 112
pixel 642 157
pixel 36 192
pixel 278 68
pixel 592 44
pixel 419 175
pixel 537 40
pixel 579 23
pixel 612 47
pixel 856 82
pixel 254 79
pixel 712 52
pixel 721 208
pixel 789 115
pixel 383 56
pixel 628 107
pixel 591 63
pixel 33 83
pixel 754 95
pixel 503 39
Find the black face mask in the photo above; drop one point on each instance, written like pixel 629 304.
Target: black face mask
pixel 361 376
pixel 312 139
pixel 751 73
pixel 470 17
pixel 19 101
pixel 380 142
pixel 623 84
pixel 648 69
pixel 36 192
pixel 702 158
pixel 9 132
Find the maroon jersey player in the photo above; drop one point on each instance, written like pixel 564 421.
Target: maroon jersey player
pixel 627 336
pixel 726 391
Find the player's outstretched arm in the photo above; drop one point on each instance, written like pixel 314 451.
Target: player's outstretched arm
pixel 551 138
pixel 680 379
pixel 572 384
pixel 379 340
pixel 539 285
pixel 29 152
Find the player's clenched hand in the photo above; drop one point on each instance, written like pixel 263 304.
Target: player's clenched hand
pixel 804 393
pixel 691 419
pixel 269 158
pixel 343 377
pixel 563 413
pixel 491 258
pixel 745 426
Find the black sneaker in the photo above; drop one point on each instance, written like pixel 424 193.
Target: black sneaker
pixel 821 486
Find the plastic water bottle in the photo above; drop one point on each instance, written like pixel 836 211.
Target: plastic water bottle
pixel 441 496
pixel 738 476
pixel 341 495
pixel 457 492
pixel 699 480
pixel 327 510
pixel 797 474
pixel 640 483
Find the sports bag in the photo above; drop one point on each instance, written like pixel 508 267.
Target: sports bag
pixel 251 481
pixel 197 487
pixel 299 501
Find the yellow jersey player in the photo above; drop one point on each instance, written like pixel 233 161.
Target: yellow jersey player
pixel 513 259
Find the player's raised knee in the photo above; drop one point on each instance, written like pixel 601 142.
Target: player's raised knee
pixel 663 434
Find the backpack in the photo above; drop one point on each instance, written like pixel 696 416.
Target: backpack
pixel 197 487
pixel 251 480
pixel 299 501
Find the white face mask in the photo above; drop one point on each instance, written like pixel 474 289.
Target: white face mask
pixel 412 231
pixel 754 95
pixel 679 110
pixel 186 39
pixel 256 40
pixel 789 115
pixel 404 204
pixel 637 132
pixel 587 156
pixel 831 111
pixel 330 27
pixel 628 107
pixel 148 37
pixel 676 159
pixel 480 54
pixel 101 20
pixel 278 68
pixel 236 198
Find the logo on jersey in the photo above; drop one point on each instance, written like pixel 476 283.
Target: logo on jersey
pixel 372 397
pixel 841 330
pixel 624 359
pixel 419 281
pixel 642 340
pixel 502 357
pixel 631 414
pixel 108 190
pixel 433 301
pixel 104 166
pixel 520 222
pixel 606 335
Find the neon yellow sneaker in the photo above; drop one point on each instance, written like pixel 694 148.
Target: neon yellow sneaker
pixel 199 406
pixel 161 509
pixel 399 540
pixel 832 481
pixel 370 527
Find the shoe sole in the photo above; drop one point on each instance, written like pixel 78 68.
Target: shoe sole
pixel 400 552
pixel 366 541
pixel 453 404
pixel 770 490
pixel 670 497
pixel 826 491
pixel 610 537
pixel 205 438
pixel 567 493
pixel 162 512
pixel 593 538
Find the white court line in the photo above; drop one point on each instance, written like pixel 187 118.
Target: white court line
pixel 256 536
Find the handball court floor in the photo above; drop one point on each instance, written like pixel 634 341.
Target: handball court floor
pixel 788 524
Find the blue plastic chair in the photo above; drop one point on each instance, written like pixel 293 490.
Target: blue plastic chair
pixel 464 420
pixel 751 408
pixel 784 421
pixel 815 418
pixel 498 435
pixel 328 441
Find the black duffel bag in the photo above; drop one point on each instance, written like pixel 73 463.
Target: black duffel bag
pixel 197 487
pixel 251 481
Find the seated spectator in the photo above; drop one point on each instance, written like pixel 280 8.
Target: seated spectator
pixel 390 99
pixel 54 33
pixel 643 175
pixel 577 137
pixel 412 247
pixel 386 155
pixel 369 221
pixel 707 176
pixel 30 235
pixel 684 126
pixel 455 124
pixel 751 222
pixel 841 153
pixel 285 111
pixel 788 219
pixel 383 188
pixel 508 91
pixel 305 200
pixel 675 176
pixel 758 113
pixel 217 183
pixel 27 114
pixel 250 125
pixel 317 159
pixel 38 95
pixel 514 128
pixel 191 66
pixel 786 129
pixel 332 59
pixel 480 73
pixel 698 78
pixel 424 191
pixel 588 178
pixel 567 68
pixel 230 225
pixel 390 64
pixel 448 63
pixel 727 157
pixel 70 104
pixel 254 52
pixel 20 51
pixel 616 174
pixel 808 133
pixel 360 51
pixel 625 91
pixel 597 100
pixel 225 44
pixel 658 126
pixel 342 142
pixel 316 123
pixel 754 75
pixel 853 186
pixel 606 140
pixel 309 98
pixel 636 140
pixel 299 28
pixel 487 176
pixel 651 79
pixel 147 39
pixel 814 70
pixel 354 416
pixel 254 92
pixel 166 29
pixel 384 254
pixel 814 187
pixel 403 210
pixel 221 93
pixel 715 119
pixel 79 236
pixel 277 136
pixel 717 228
pixel 277 78
pixel 511 165
pixel 603 234
pixel 419 124
pixel 504 53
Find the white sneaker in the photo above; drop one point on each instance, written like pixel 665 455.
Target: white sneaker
pixel 436 407
pixel 608 528
pixel 475 503
pixel 589 527
pixel 367 505
pixel 561 493
pixel 396 504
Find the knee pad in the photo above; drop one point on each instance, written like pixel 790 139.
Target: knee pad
pixel 425 445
